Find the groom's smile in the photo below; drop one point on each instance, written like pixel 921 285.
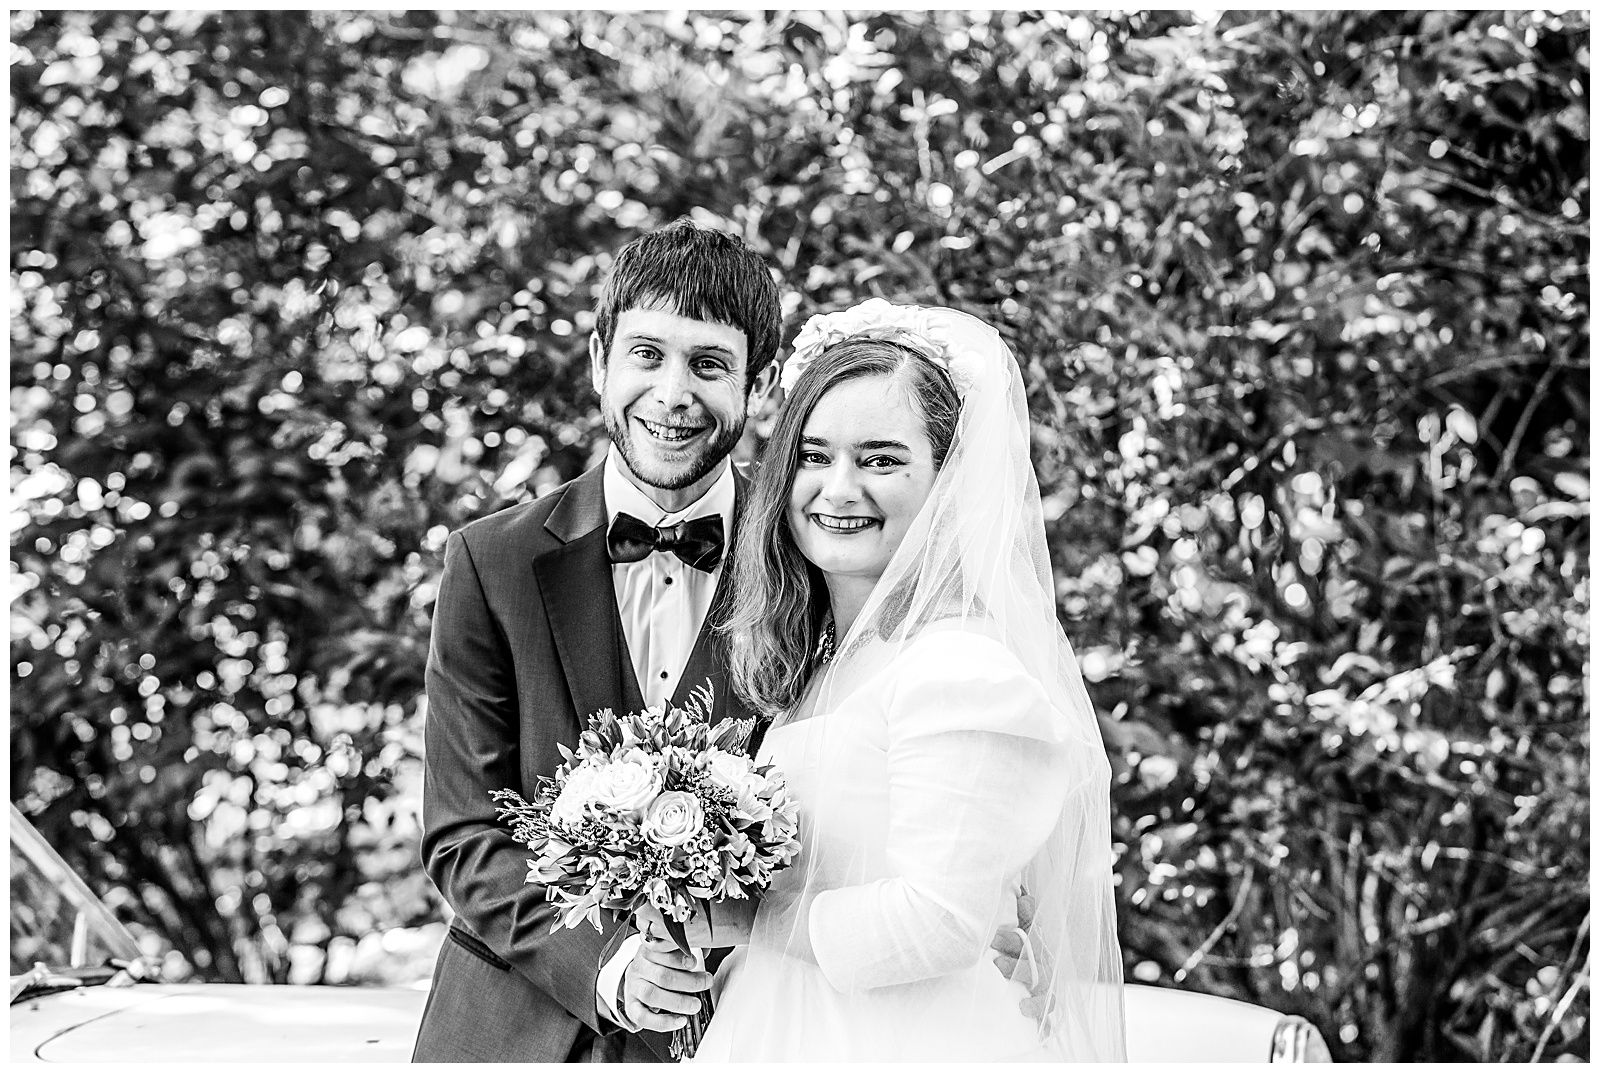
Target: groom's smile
pixel 669 433
pixel 672 391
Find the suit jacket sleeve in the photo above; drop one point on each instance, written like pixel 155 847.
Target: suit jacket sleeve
pixel 472 736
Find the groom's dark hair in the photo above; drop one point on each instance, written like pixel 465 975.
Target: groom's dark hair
pixel 698 273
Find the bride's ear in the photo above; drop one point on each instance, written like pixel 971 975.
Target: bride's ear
pixel 761 389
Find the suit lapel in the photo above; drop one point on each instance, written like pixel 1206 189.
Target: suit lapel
pixel 707 662
pixel 581 605
pixel 708 659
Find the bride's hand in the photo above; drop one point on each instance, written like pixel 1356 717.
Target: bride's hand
pixel 730 924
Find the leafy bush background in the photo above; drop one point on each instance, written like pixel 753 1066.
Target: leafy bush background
pixel 1303 302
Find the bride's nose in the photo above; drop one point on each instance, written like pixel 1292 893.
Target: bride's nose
pixel 841 487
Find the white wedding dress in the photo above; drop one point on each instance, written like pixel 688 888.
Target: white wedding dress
pixel 940 778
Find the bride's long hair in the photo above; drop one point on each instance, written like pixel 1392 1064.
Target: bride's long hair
pixel 780 600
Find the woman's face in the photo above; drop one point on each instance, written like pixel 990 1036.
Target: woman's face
pixel 864 471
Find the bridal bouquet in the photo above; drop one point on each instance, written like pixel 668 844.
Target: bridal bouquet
pixel 659 807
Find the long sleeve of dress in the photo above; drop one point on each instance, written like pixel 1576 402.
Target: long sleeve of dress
pixel 976 782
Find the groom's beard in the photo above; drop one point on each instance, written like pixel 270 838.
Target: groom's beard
pixel 657 473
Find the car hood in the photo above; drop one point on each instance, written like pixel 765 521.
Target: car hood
pixel 217 1023
pixel 1169 1025
pixel 283 1023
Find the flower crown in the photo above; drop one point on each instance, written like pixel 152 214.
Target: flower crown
pixel 921 327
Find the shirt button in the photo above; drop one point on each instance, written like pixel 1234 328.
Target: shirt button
pixel 669 579
pixel 663 674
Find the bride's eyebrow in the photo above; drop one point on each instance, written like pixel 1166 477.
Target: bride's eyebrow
pixel 865 445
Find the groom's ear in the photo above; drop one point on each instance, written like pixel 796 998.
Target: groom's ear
pixel 761 388
pixel 597 363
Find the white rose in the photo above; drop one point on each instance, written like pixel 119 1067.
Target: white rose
pixel 728 770
pixel 673 819
pixel 569 805
pixel 628 783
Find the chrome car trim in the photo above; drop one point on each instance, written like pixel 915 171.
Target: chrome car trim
pixel 1297 1040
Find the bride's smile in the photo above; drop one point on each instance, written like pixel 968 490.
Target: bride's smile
pixel 833 524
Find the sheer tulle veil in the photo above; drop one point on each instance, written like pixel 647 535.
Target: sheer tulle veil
pixel 975 563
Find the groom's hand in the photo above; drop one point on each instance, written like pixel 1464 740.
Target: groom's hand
pixel 1007 943
pixel 730 924
pixel 661 987
pixel 1008 947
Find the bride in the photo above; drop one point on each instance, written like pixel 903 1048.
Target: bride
pixel 896 619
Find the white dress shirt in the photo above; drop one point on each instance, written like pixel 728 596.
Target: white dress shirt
pixel 662 602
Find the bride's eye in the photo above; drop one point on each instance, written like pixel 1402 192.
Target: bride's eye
pixel 883 462
pixel 813 458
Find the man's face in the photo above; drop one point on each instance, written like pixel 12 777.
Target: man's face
pixel 672 391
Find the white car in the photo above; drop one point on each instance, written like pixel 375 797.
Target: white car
pixel 80 993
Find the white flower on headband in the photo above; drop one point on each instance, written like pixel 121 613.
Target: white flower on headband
pixel 921 327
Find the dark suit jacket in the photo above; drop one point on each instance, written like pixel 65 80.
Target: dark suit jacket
pixel 526 644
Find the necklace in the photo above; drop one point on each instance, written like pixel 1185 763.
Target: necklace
pixel 825 644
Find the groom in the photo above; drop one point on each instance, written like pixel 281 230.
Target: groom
pixel 600 594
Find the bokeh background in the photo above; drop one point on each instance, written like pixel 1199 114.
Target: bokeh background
pixel 1303 303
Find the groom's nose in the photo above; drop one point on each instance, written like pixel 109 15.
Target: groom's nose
pixel 672 383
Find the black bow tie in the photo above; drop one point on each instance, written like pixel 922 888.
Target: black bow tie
pixel 697 542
